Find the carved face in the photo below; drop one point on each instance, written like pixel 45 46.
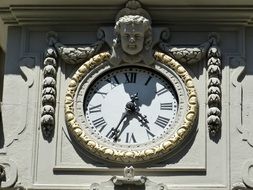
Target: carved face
pixel 132 38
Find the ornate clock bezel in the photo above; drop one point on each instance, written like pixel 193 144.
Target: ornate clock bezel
pixel 102 72
pixel 114 154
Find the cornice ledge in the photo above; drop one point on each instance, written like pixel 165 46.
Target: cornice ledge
pixel 55 14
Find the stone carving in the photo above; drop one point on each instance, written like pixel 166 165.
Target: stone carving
pixel 236 95
pixel 191 55
pixel 132 44
pixel 8 174
pixel 49 93
pixel 123 155
pixel 243 121
pixel 76 55
pixel 130 181
pixel 19 188
pixel 247 179
pixel 70 55
pixel 26 65
pixel 133 39
pixel 247 173
pixel 239 186
pixel 129 178
pixel 2 174
pixel 214 89
pixel 187 55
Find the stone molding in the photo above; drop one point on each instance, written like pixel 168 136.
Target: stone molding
pixel 44 14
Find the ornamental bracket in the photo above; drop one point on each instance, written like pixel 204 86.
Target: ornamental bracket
pixel 128 181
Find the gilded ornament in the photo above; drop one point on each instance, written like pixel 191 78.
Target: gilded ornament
pixel 123 155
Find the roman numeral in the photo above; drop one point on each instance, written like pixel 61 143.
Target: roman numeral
pixel 149 78
pixel 130 138
pixel 130 77
pixel 99 124
pixel 95 109
pixel 166 106
pixel 162 121
pixel 149 134
pixel 103 94
pixel 162 91
pixel 113 81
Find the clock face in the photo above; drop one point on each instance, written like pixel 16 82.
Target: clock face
pixel 130 106
pixel 130 113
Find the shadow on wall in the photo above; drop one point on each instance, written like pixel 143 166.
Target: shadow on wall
pixel 2 57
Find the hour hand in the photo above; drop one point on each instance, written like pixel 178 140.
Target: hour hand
pixel 142 119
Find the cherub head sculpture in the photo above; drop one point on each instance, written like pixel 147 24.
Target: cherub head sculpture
pixel 133 37
pixel 133 32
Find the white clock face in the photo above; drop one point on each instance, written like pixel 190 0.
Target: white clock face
pixel 130 106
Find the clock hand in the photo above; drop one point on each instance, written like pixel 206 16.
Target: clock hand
pixel 115 131
pixel 129 109
pixel 124 126
pixel 142 118
pixel 135 110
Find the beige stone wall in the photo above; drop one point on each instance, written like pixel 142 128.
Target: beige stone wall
pixel 34 162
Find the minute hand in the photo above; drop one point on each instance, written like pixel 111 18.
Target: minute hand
pixel 115 131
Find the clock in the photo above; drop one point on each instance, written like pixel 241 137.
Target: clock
pixel 130 107
pixel 130 113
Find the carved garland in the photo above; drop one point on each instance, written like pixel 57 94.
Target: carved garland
pixel 120 155
pixel 214 90
pixel 49 93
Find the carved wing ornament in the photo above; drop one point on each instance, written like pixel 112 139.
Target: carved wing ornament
pixel 115 74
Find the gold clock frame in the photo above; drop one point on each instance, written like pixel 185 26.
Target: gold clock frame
pixel 126 156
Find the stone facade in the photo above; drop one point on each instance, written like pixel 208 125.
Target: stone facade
pixel 53 46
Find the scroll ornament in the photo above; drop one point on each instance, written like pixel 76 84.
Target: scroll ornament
pixel 8 174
